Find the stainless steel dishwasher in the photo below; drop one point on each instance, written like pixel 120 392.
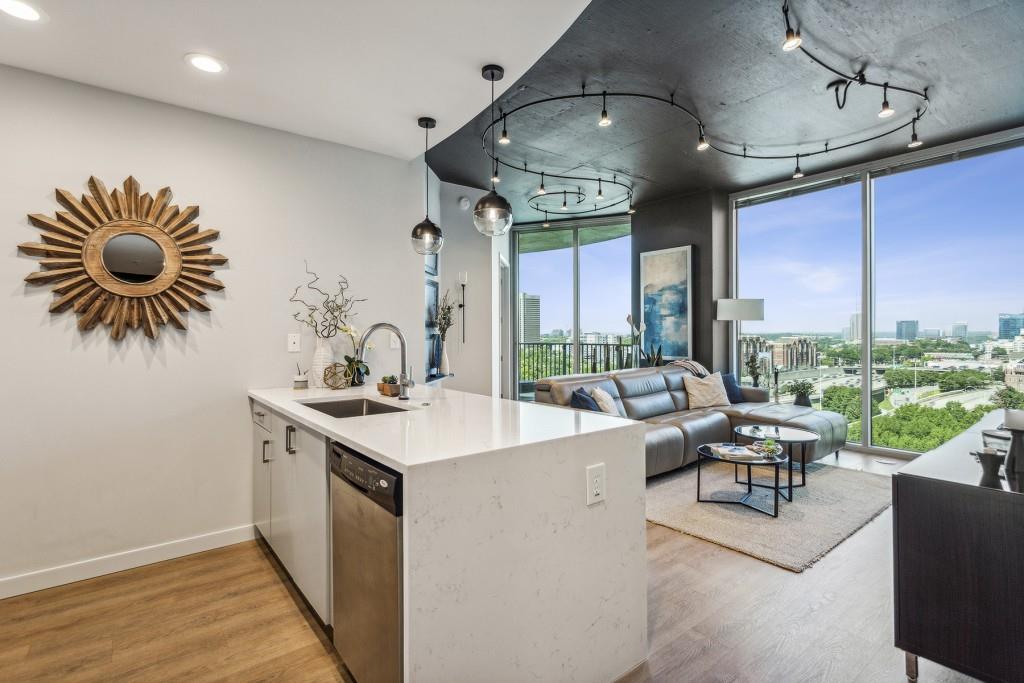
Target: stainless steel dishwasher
pixel 366 551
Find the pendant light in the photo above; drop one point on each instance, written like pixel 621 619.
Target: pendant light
pixel 493 214
pixel 426 237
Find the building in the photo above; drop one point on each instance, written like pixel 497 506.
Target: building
pixel 932 333
pixel 959 331
pixel 906 330
pixel 853 332
pixel 529 318
pixel 1018 344
pixel 789 353
pixel 1011 325
pixel 1015 376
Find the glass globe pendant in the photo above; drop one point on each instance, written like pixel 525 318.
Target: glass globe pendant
pixel 492 215
pixel 426 237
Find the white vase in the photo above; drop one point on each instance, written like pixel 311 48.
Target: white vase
pixel 323 356
pixel 442 368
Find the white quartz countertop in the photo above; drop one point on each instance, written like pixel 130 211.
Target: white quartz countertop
pixel 436 424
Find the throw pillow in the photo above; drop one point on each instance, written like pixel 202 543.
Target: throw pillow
pixel 705 392
pixel 732 388
pixel 604 401
pixel 582 401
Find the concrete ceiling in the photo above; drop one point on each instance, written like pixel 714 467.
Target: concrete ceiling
pixel 356 72
pixel 723 61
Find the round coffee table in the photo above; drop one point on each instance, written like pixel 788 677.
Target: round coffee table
pixel 705 452
pixel 788 436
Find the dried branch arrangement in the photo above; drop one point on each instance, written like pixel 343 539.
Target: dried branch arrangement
pixel 444 315
pixel 331 312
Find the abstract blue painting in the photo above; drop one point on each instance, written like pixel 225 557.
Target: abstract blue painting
pixel 666 301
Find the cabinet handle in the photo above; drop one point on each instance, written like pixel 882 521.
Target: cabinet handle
pixel 259 414
pixel 288 447
pixel 266 443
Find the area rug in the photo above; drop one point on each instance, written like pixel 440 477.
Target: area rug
pixel 835 503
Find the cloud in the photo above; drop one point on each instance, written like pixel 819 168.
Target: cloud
pixel 815 277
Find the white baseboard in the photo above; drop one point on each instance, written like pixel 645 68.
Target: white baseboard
pixel 116 562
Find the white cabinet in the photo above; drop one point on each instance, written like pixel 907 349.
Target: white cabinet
pixel 294 485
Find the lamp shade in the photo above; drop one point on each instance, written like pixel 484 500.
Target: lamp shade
pixel 740 309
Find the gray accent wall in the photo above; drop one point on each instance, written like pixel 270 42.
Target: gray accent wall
pixel 700 220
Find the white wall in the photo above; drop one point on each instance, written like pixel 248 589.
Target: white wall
pixel 109 448
pixel 466 250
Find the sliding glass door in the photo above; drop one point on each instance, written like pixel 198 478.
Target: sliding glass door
pixel 573 291
pixel 897 292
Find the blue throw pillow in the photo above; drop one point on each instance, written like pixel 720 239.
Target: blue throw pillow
pixel 732 388
pixel 583 401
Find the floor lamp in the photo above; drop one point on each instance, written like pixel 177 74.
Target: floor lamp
pixel 734 311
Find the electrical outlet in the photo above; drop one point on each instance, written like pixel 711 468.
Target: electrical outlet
pixel 595 484
pixel 294 342
pixel 394 340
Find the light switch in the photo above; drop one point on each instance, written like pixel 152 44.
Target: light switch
pixel 294 342
pixel 595 484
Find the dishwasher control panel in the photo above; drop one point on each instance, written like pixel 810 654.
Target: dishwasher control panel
pixel 379 483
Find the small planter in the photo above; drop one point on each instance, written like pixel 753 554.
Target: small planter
pixel 387 389
pixel 803 400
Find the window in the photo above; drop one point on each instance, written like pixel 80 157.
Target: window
pixel 801 254
pixel 949 292
pixel 946 304
pixel 573 291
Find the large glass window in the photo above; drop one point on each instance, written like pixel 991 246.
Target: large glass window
pixel 573 289
pixel 949 274
pixel 801 254
pixel 946 343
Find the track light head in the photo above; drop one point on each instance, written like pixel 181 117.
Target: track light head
pixel 630 210
pixel 886 111
pixel 914 141
pixel 546 223
pixel 541 190
pixel 504 139
pixel 565 207
pixel 797 173
pixel 604 121
pixel 792 41
pixel 600 192
pixel 702 142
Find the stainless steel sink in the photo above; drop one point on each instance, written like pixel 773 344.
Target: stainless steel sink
pixel 353 407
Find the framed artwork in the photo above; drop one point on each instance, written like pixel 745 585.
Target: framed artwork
pixel 430 264
pixel 665 301
pixel 430 302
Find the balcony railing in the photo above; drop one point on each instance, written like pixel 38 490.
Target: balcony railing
pixel 544 359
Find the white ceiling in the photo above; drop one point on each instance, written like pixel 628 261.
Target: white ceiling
pixel 356 72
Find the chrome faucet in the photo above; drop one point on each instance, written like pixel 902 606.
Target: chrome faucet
pixel 404 380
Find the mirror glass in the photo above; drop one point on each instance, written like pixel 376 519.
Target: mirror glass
pixel 133 258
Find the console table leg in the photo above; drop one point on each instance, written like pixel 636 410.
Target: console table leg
pixel 911 660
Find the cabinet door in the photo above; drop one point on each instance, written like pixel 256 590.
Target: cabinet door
pixel 309 519
pixel 261 455
pixel 282 493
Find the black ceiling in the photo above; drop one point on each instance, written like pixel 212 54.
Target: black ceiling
pixel 723 61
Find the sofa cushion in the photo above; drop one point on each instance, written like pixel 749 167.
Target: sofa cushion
pixel 705 392
pixel 604 401
pixel 559 389
pixel 737 411
pixel 581 400
pixel 643 394
pixel 664 448
pixel 698 427
pixel 674 375
pixel 776 413
pixel 831 427
pixel 732 387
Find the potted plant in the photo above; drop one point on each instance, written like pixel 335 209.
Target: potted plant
pixel 326 316
pixel 357 369
pixel 388 386
pixel 802 388
pixel 754 368
pixel 444 319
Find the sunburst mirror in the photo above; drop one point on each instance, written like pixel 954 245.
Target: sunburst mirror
pixel 123 259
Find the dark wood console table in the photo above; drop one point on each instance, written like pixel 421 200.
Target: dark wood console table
pixel 959 563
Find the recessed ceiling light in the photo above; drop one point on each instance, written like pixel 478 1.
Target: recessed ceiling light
pixel 203 62
pixel 20 10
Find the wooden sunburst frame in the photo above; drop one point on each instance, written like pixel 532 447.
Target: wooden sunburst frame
pixel 72 247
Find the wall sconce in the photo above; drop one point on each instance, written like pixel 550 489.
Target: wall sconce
pixel 463 280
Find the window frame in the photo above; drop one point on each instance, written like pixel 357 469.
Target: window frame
pixel 864 174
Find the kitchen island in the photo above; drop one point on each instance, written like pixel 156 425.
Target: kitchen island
pixel 507 572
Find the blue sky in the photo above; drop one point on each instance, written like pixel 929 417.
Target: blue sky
pixel 949 245
pixel 604 286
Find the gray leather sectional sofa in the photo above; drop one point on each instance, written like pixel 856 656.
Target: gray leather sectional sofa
pixel 657 397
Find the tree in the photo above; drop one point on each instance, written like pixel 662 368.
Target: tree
pixel 846 402
pixel 1009 398
pixel 998 375
pixel 999 352
pixel 914 427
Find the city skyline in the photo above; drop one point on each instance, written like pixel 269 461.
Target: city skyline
pixel 938 255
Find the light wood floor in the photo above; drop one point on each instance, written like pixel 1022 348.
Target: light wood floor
pixel 714 615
